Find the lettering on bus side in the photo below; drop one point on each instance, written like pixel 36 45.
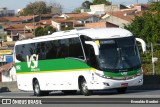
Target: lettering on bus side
pixel 33 59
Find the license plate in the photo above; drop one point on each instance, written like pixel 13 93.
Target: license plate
pixel 124 84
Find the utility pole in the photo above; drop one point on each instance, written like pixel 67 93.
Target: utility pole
pixel 153 66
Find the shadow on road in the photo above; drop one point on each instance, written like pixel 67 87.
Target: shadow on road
pixel 101 93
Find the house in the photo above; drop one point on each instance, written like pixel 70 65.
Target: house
pixel 8 73
pixel 140 7
pixel 49 16
pixel 120 18
pixel 107 8
pixel 81 17
pixel 28 19
pixel 99 25
pixel 10 20
pixel 46 22
pixel 19 31
pixel 60 23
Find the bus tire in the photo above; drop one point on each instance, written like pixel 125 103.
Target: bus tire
pixel 36 88
pixel 121 90
pixel 84 88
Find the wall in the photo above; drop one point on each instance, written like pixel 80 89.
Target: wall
pixel 117 21
pixel 9 76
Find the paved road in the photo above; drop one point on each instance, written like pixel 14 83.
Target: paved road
pixel 96 94
pixel 98 99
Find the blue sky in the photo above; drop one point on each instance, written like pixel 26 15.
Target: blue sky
pixel 68 5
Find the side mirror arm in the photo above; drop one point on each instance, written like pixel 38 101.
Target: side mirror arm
pixel 95 46
pixel 142 43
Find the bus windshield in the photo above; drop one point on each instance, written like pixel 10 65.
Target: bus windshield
pixel 119 54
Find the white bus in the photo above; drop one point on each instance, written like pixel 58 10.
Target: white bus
pixel 84 60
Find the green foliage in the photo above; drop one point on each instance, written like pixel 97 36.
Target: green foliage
pixel 50 29
pixel 40 31
pixel 39 7
pixel 77 10
pixel 155 6
pixel 147 27
pixel 86 4
pixel 106 2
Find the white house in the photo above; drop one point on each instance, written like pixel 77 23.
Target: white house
pixel 81 17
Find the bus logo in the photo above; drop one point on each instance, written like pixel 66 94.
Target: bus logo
pixel 124 73
pixel 32 62
pixel 18 67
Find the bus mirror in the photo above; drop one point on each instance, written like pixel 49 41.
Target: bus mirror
pixel 142 43
pixel 95 46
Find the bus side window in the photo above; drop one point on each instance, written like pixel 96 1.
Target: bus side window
pixel 75 48
pixel 63 48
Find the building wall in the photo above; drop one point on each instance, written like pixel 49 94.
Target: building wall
pixel 9 76
pixel 89 20
pixel 100 7
pixel 105 8
pixel 117 21
pixel 9 39
pixel 5 12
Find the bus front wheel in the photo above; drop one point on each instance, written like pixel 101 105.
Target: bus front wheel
pixel 84 88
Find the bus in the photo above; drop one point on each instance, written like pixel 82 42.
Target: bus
pixel 82 60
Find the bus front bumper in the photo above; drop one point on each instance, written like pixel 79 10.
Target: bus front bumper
pixel 104 83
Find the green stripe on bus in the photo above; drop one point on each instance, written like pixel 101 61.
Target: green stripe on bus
pixel 120 74
pixel 52 65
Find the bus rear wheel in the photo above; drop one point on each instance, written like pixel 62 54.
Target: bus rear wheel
pixel 84 88
pixel 121 90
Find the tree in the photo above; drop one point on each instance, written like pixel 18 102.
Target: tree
pixel 77 10
pixel 86 4
pixel 146 27
pixel 50 29
pixel 39 7
pixel 55 7
pixel 155 6
pixel 40 31
pixel 101 2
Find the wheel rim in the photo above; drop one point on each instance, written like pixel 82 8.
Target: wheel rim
pixel 37 88
pixel 84 87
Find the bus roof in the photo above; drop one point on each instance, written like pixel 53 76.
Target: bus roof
pixel 94 33
pixel 106 33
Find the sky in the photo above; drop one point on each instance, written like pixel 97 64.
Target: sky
pixel 68 5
